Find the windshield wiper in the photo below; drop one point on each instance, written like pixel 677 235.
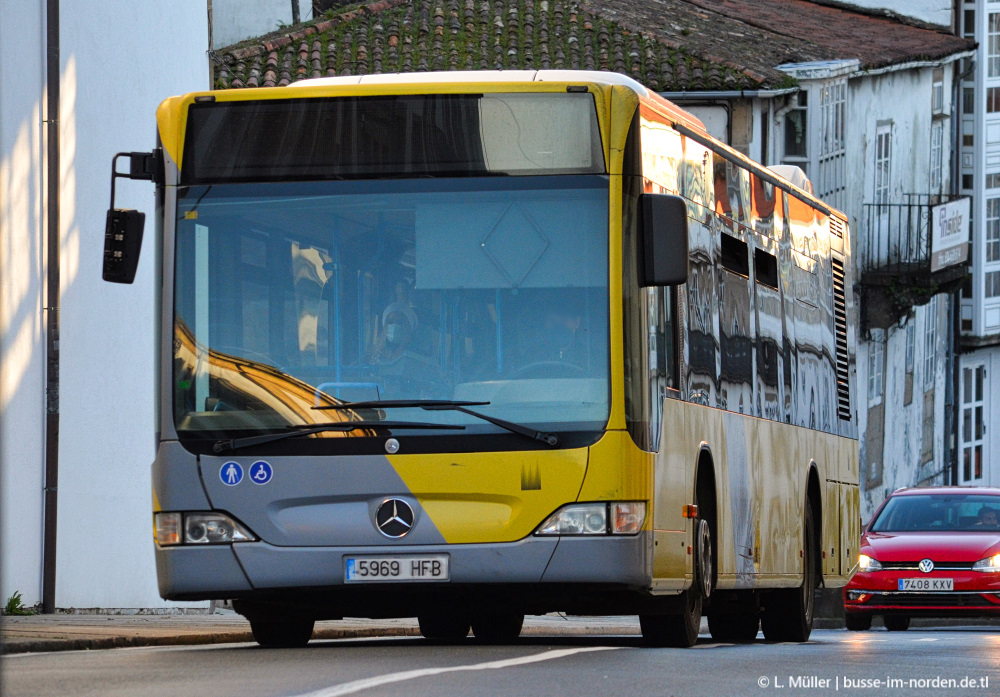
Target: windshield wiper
pixel 450 405
pixel 308 429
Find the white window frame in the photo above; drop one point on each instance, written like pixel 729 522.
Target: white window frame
pixel 883 163
pixel 831 179
pixel 911 343
pixel 930 342
pixel 992 244
pixel 937 91
pixel 937 149
pixel 876 361
pixel 993 44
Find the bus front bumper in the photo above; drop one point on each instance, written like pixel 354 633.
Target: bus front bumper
pixel 256 568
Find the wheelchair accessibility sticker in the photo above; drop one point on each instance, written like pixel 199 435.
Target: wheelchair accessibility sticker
pixel 231 473
pixel 260 472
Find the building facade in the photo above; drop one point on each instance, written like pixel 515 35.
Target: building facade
pixel 117 60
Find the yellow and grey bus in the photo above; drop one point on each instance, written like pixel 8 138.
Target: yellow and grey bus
pixel 474 346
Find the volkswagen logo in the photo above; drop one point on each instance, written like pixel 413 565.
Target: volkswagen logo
pixel 394 518
pixel 926 566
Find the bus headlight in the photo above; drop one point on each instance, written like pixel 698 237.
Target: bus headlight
pixel 623 518
pixel 207 528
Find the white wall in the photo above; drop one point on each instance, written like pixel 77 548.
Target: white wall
pixel 236 20
pixel 933 11
pixel 120 59
pixel 22 347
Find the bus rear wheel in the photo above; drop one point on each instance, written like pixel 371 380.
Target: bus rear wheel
pixel 788 613
pixel 497 627
pixel 282 634
pixel 444 626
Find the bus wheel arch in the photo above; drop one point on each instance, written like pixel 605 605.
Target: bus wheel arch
pixel 814 498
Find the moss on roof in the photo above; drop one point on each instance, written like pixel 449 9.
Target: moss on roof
pixel 419 35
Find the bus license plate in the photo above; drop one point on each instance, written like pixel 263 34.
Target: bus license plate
pixel 926 584
pixel 388 569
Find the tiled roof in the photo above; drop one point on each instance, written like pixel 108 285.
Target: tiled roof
pixel 668 45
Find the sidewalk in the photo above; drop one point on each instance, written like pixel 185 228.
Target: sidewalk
pixel 67 632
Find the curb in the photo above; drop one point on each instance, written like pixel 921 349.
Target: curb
pixel 190 639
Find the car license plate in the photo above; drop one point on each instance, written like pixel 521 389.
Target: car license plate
pixel 392 568
pixel 926 584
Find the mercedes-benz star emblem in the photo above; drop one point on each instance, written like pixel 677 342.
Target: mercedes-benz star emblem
pixel 394 518
pixel 926 566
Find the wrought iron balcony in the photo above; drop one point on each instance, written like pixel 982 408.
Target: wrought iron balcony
pixel 894 257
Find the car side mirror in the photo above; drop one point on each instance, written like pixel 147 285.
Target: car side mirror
pixel 664 243
pixel 123 227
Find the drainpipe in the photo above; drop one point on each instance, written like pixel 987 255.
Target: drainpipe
pixel 52 300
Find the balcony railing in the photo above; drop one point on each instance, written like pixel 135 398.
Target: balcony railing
pixel 897 236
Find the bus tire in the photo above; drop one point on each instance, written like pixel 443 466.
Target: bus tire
pixel 788 613
pixel 497 627
pixel 735 627
pixel 444 626
pixel 676 630
pixel 858 622
pixel 896 623
pixel 282 634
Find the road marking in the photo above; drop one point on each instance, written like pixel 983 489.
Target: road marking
pixel 348 688
pixel 710 646
pixel 926 639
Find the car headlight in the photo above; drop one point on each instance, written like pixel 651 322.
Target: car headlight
pixel 208 528
pixel 866 563
pixel 988 564
pixel 624 518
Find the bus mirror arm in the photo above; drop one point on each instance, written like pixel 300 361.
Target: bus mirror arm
pixel 123 227
pixel 663 240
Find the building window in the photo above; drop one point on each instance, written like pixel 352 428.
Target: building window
pixel 973 421
pixel 930 343
pixel 911 326
pixel 969 25
pixel 795 128
pixel 968 131
pixel 968 100
pixel 876 357
pixel 993 100
pixel 883 162
pixel 992 282
pixel 831 180
pixel 993 45
pixel 993 181
pixel 993 229
pixel 966 181
pixel 937 91
pixel 937 142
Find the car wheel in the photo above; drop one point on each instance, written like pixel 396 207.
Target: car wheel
pixel 282 634
pixel 857 622
pixel 788 614
pixel 444 626
pixel 497 627
pixel 896 623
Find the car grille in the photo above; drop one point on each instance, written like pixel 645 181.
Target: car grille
pixel 930 599
pixel 938 566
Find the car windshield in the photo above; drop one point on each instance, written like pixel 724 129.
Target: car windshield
pixel 939 513
pixel 291 296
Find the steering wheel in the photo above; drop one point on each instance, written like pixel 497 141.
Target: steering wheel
pixel 561 368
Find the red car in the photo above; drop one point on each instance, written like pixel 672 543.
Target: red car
pixel 928 552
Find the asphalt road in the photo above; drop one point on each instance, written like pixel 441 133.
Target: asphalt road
pixel 548 666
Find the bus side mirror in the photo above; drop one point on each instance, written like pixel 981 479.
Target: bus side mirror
pixel 123 228
pixel 122 243
pixel 664 244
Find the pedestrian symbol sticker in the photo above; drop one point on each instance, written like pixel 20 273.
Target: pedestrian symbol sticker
pixel 260 472
pixel 231 473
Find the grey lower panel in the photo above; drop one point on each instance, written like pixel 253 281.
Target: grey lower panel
pixel 286 567
pixel 176 482
pixel 202 571
pixel 625 560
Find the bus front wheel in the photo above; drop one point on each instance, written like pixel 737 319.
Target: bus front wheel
pixel 282 634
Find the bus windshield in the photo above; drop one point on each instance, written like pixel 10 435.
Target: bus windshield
pixel 296 295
